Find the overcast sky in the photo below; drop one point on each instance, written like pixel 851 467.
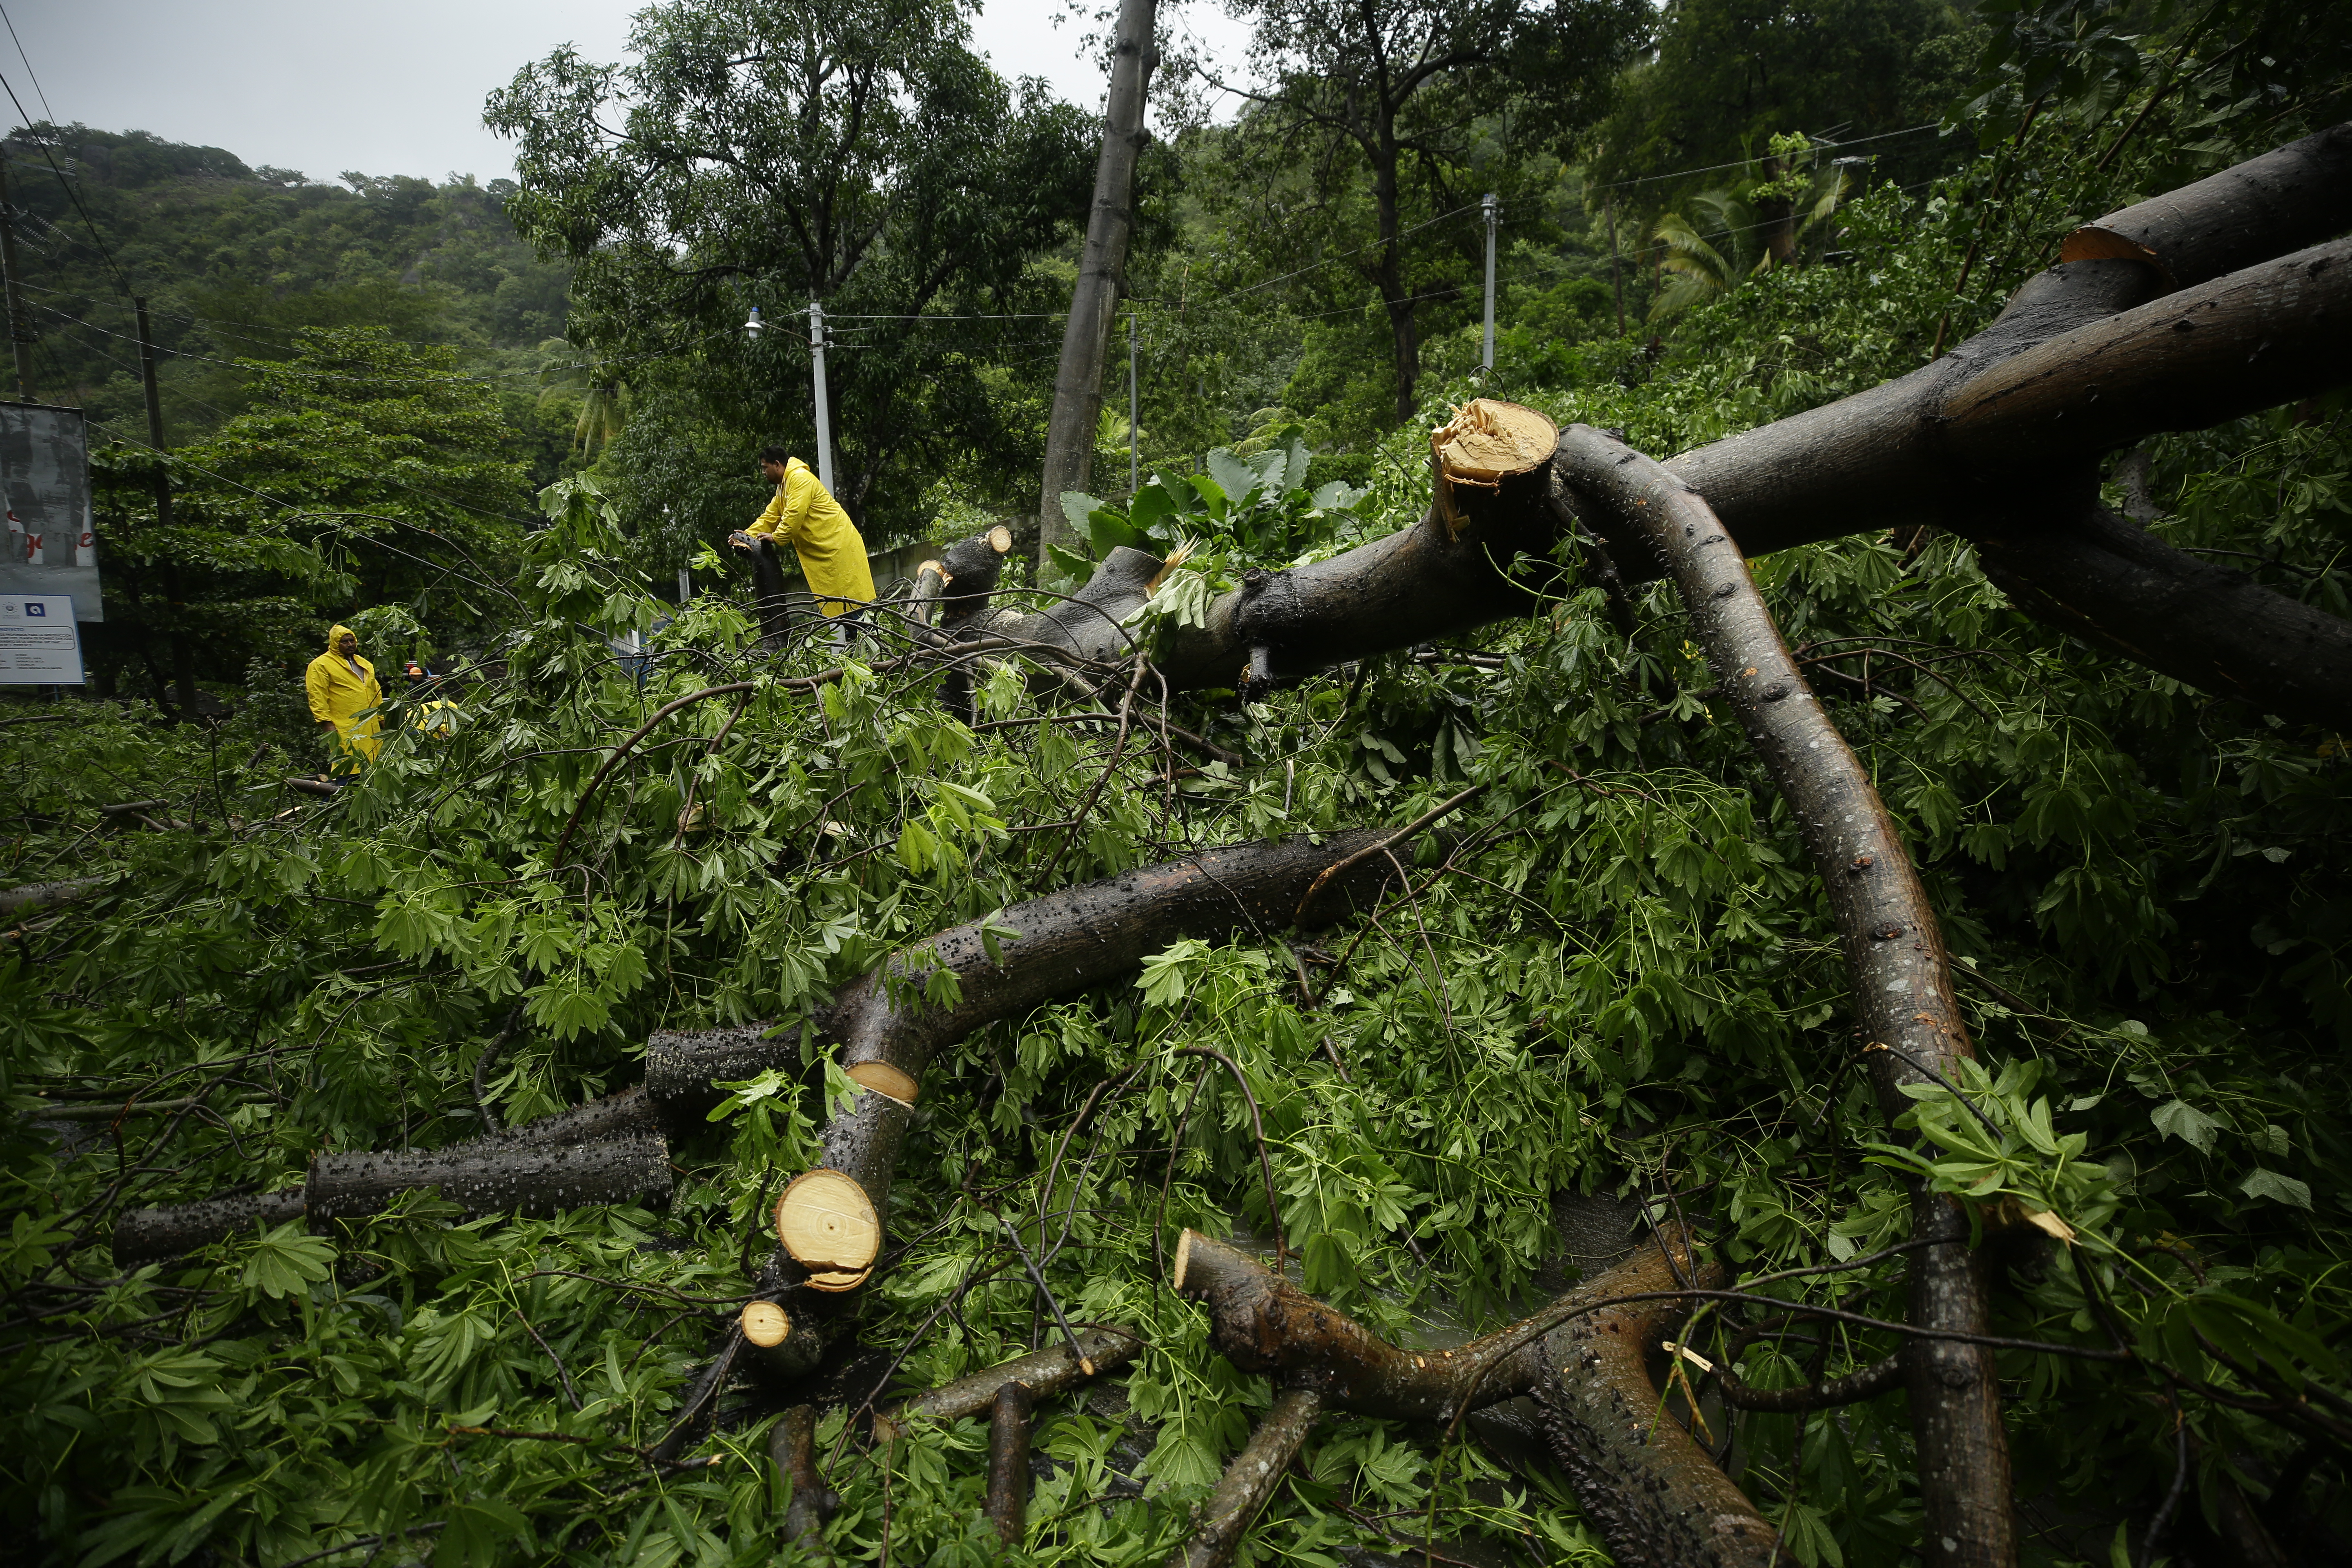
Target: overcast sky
pixel 383 89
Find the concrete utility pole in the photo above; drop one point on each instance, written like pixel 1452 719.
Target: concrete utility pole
pixel 1493 207
pixel 824 403
pixel 1086 340
pixel 20 335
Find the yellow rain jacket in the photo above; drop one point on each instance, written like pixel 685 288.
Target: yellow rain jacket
pixel 340 697
pixel 832 552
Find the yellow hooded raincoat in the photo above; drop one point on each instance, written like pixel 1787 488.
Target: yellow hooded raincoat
pixel 833 554
pixel 339 698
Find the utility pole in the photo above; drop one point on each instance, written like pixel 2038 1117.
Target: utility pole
pixel 183 665
pixel 1134 481
pixel 1615 281
pixel 20 336
pixel 823 405
pixel 1493 207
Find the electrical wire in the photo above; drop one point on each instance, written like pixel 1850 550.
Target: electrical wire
pixel 30 75
pixel 71 195
pixel 1742 162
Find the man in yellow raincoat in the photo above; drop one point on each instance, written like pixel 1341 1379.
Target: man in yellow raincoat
pixel 342 687
pixel 804 515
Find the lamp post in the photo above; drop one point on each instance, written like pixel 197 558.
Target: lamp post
pixel 1493 207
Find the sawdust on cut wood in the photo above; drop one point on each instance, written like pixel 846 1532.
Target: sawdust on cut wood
pixel 1486 441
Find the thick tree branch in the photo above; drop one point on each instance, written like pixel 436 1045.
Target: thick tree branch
pixel 1656 1494
pixel 1893 955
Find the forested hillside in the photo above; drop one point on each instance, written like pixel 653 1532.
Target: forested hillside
pixel 1724 943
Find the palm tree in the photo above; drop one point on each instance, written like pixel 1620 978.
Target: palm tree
pixel 1739 232
pixel 604 398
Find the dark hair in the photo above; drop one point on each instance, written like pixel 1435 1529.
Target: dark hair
pixel 774 455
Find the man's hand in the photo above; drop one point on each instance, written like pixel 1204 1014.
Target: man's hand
pixel 739 539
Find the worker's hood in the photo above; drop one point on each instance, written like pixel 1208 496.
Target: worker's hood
pixel 792 463
pixel 335 635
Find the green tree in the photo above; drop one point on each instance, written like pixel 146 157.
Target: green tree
pixel 235 262
pixel 1727 74
pixel 367 471
pixel 766 152
pixel 1372 112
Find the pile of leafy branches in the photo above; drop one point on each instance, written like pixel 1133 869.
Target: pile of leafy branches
pixel 1610 974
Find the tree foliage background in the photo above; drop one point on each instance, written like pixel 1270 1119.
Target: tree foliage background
pixel 1620 982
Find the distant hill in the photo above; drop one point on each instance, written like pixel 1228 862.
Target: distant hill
pixel 234 259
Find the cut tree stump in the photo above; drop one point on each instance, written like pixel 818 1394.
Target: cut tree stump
pixel 827 1223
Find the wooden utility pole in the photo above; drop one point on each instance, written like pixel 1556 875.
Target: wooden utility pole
pixel 184 665
pixel 1615 281
pixel 20 335
pixel 1094 304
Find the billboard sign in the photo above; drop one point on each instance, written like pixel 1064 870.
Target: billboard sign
pixel 39 644
pixel 50 546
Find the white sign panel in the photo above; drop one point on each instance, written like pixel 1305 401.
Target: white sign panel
pixel 49 546
pixel 39 644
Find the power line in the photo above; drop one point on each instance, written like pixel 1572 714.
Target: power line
pixel 29 73
pixel 1743 162
pixel 71 195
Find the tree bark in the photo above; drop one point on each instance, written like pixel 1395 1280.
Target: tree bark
pixel 2296 195
pixel 792 1448
pixel 1102 266
pixel 147 1235
pixel 47 894
pixel 2083 570
pixel 1045 1373
pixel 625 1119
pixel 486 1177
pixel 1902 990
pixel 1008 1461
pixel 1251 1479
pixel 1655 1495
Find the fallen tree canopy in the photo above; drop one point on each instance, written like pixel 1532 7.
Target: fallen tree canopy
pixel 984 1092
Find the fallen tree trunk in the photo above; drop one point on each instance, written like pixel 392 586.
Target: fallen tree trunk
pixel 147 1235
pixel 1249 1482
pixel 1050 946
pixel 1894 950
pixel 1653 1492
pixel 2196 313
pixel 1066 941
pixel 627 1118
pixel 490 1177
pixel 47 894
pixel 2291 196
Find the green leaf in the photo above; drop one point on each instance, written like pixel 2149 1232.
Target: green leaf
pixel 288 1260
pixel 1106 531
pixel 2261 1184
pixel 2178 1119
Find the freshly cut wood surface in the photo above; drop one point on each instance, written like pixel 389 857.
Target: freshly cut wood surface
pixel 837 1279
pixel 765 1324
pixel 827 1223
pixel 1487 441
pixel 884 1079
